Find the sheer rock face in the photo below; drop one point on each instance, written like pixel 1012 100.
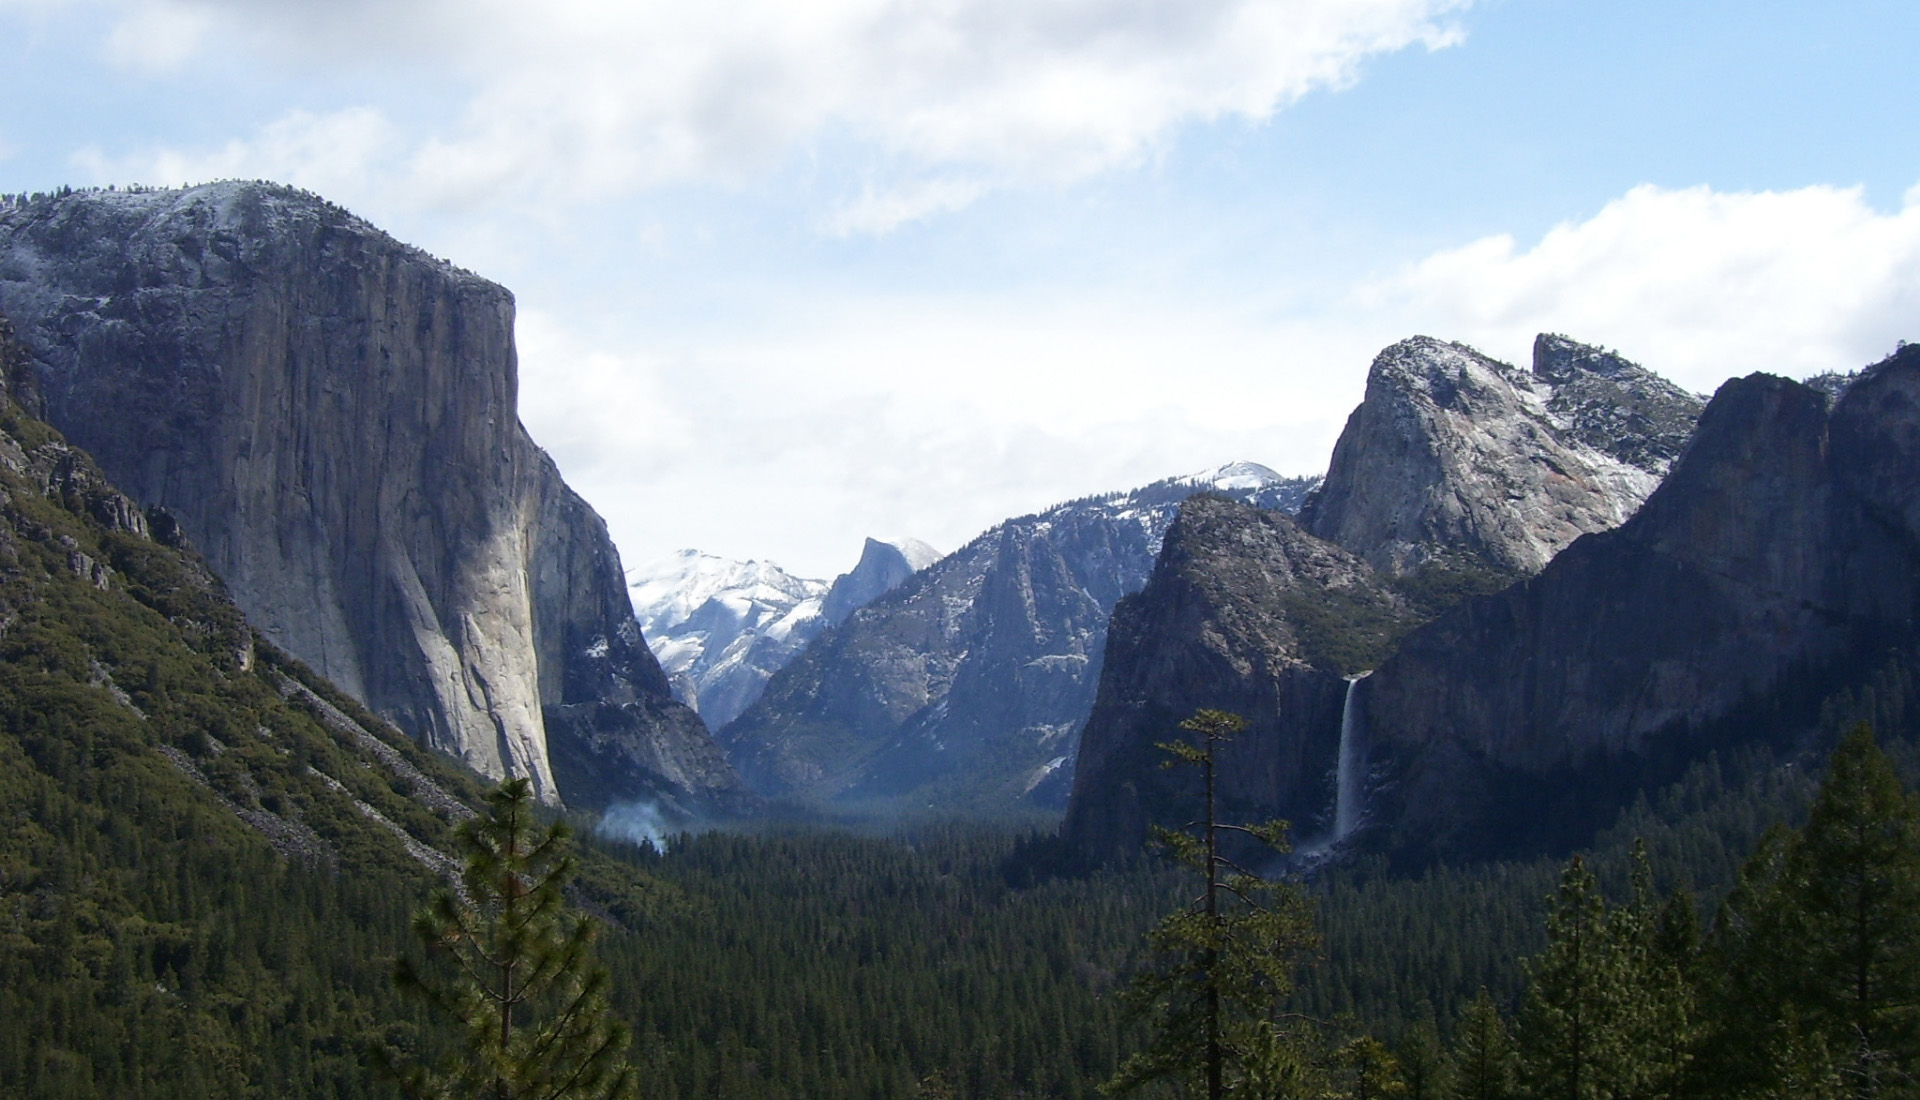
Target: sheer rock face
pixel 1225 623
pixel 331 416
pixel 1787 537
pixel 881 568
pixel 1455 456
pixel 966 686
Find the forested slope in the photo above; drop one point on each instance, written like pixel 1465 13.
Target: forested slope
pixel 208 855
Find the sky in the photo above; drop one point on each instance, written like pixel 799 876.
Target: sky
pixel 790 273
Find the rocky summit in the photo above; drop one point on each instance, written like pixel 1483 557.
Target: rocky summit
pixel 331 417
pixel 1457 460
pixel 883 564
pixel 966 686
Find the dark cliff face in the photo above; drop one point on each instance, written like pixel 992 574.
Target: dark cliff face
pixel 331 415
pixel 966 686
pixel 1244 612
pixel 1785 541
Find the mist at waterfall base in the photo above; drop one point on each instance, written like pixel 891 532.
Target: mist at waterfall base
pixel 639 823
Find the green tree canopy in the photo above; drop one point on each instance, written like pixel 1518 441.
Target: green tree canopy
pixel 1227 958
pixel 515 969
pixel 1818 946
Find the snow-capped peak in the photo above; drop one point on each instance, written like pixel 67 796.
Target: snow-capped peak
pixel 1236 476
pixel 918 554
pixel 667 592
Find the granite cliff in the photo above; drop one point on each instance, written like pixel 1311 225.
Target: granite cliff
pixel 330 415
pixel 1457 461
pixel 1244 612
pixel 1455 476
pixel 1784 547
pixel 966 685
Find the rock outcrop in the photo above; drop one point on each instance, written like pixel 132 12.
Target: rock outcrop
pixel 330 415
pixel 1247 613
pixel 1457 460
pixel 1786 541
pixel 1614 406
pixel 966 686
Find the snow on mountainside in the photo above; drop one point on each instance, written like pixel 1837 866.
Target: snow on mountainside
pixel 721 627
pixel 668 592
pixel 966 686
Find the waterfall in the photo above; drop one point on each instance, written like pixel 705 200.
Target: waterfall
pixel 1350 778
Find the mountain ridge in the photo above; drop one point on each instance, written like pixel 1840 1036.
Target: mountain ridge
pixel 966 685
pixel 1786 539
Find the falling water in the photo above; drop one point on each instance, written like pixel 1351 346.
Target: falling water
pixel 1350 777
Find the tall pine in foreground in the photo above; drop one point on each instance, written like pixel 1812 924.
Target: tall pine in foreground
pixel 1482 1063
pixel 1226 959
pixel 520 979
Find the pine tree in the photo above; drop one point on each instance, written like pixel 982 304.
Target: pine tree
pixel 1754 1041
pixel 1481 1064
pixel 1227 958
pixel 522 985
pixel 1370 1070
pixel 1573 1045
pixel 1609 1012
pixel 1816 952
pixel 1655 1007
pixel 1423 1064
pixel 1854 876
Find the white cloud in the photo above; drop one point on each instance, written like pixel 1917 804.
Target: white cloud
pixel 930 418
pixel 597 407
pixel 1697 283
pixel 880 209
pixel 344 155
pixel 570 99
pixel 156 36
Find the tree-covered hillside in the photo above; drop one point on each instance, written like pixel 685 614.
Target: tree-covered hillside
pixel 208 856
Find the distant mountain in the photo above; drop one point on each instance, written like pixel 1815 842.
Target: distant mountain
pixel 883 564
pixel 1455 477
pixel 330 414
pixel 966 686
pixel 722 628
